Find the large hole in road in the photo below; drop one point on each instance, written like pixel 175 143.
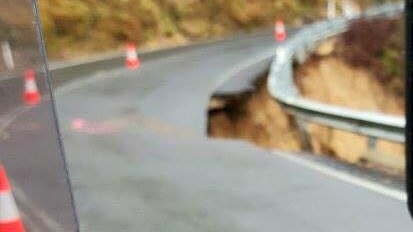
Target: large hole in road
pixel 256 117
pixel 253 116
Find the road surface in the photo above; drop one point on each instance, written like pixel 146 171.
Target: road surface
pixel 140 160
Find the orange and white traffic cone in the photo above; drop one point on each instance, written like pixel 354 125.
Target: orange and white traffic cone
pixel 31 94
pixel 132 59
pixel 280 34
pixel 10 220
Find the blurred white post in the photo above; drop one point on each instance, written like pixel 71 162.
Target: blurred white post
pixel 7 55
pixel 331 9
pixel 280 54
pixel 347 8
pixel 344 8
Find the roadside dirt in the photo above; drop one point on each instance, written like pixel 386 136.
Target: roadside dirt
pixel 331 80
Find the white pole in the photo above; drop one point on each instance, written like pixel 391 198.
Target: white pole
pixel 331 9
pixel 7 55
pixel 348 11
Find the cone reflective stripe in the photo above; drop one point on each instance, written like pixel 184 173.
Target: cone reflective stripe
pixel 132 60
pixel 31 95
pixel 280 34
pixel 10 220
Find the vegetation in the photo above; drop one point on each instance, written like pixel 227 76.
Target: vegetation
pixel 73 27
pixel 377 45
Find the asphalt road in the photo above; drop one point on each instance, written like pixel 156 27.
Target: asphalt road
pixel 139 158
pixel 30 151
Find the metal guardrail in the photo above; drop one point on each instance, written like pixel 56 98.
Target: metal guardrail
pixel 281 84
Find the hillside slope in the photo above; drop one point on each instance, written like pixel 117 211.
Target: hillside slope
pixel 78 27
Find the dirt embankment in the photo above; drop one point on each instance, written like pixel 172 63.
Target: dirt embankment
pixel 256 117
pixel 332 78
pixel 363 72
pixel 332 81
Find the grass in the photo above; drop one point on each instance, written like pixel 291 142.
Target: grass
pixel 377 45
pixel 78 27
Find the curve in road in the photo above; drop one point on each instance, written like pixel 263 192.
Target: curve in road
pixel 140 161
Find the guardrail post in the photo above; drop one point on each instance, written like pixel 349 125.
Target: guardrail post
pixel 331 9
pixel 303 134
pixel 371 145
pixel 301 55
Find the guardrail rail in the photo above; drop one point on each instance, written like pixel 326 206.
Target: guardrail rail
pixel 281 85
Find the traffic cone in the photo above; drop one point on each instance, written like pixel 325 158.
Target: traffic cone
pixel 10 220
pixel 31 95
pixel 280 34
pixel 132 60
